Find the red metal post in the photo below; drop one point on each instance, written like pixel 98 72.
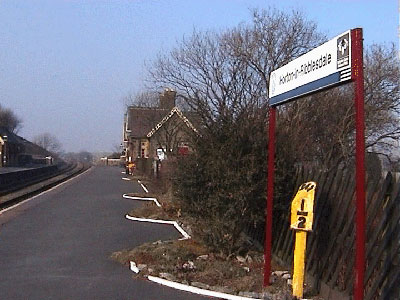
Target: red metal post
pixel 270 195
pixel 358 78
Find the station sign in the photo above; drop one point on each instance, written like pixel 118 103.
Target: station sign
pixel 322 67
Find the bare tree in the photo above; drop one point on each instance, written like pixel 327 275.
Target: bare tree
pixel 224 78
pixel 48 142
pixel 214 83
pixel 147 99
pixel 9 120
pixel 272 39
pixel 321 128
pixel 382 96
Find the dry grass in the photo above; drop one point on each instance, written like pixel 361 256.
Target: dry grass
pixel 173 257
pixel 150 211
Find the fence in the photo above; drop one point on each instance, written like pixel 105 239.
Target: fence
pixel 330 247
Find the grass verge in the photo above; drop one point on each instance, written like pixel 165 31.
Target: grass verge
pixel 191 262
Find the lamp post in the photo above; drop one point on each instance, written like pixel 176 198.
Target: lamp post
pixel 5 151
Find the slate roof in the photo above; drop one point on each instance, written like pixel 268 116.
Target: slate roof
pixel 142 120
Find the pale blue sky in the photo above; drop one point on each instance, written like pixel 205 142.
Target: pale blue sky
pixel 65 65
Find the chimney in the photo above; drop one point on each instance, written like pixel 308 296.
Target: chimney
pixel 167 99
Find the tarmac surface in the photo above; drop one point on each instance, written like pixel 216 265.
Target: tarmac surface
pixel 58 245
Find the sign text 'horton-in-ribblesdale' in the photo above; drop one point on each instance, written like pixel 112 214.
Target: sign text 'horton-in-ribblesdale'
pixel 322 67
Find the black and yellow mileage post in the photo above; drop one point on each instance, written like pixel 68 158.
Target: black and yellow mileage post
pixel 301 220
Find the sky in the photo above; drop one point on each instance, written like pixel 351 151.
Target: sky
pixel 66 65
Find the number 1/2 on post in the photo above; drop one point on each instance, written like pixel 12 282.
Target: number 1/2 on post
pixel 302 215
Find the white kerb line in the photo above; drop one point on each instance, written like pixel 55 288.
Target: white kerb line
pixel 142 199
pixel 133 267
pixel 143 187
pixel 176 225
pixel 195 290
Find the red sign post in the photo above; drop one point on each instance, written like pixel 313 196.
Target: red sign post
pixel 308 74
pixel 270 195
pixel 357 75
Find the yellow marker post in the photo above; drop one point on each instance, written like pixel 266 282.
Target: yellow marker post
pixel 302 214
